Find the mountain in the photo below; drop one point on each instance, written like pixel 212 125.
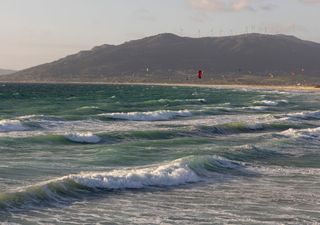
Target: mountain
pixel 171 58
pixel 5 72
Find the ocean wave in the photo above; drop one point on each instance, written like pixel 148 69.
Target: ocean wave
pixel 11 125
pixel 86 137
pixel 179 172
pixel 258 108
pixel 235 127
pixel 32 116
pixel 248 125
pixel 271 103
pixel 308 134
pixel 148 116
pixel 308 115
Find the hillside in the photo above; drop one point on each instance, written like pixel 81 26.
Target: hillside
pixel 171 58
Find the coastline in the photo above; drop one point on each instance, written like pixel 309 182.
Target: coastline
pixel 217 86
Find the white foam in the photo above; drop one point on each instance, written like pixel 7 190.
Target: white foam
pixel 11 125
pixel 86 137
pixel 202 100
pixel 178 172
pixel 181 171
pixel 266 102
pixel 310 133
pixel 29 116
pixel 274 92
pixel 149 116
pixel 285 171
pixel 258 108
pixel 166 175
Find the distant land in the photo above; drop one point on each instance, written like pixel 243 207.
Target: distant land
pixel 167 58
pixel 5 72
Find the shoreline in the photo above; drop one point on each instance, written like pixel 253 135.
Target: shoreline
pixel 217 86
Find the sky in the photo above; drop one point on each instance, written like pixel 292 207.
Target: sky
pixel 33 32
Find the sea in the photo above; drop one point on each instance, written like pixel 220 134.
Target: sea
pixel 147 154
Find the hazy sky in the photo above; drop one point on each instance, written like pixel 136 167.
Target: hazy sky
pixel 39 31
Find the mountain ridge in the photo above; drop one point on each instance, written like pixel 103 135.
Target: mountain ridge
pixel 168 57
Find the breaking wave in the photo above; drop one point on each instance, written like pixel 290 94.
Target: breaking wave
pixel 245 127
pixel 258 108
pixel 270 103
pixel 11 125
pixel 308 115
pixel 308 134
pixel 86 137
pixel 149 116
pixel 179 172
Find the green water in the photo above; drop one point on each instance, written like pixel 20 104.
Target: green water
pixel 129 154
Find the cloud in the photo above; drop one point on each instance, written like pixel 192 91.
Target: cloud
pixel 231 5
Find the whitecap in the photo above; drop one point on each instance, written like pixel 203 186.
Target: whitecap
pixel 309 134
pixel 149 116
pixel 179 172
pixel 266 102
pixel 258 108
pixel 164 175
pixel 11 125
pixel 86 137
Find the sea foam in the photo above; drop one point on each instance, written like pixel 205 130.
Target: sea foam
pixel 179 172
pixel 149 116
pixel 86 137
pixel 271 103
pixel 11 125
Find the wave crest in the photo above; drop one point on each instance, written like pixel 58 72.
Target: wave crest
pixel 86 137
pixel 149 116
pixel 271 103
pixel 309 134
pixel 182 171
pixel 11 125
pixel 308 115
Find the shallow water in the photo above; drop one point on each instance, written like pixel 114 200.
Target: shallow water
pixel 85 154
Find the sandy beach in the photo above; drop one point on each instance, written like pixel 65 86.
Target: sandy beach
pixel 218 86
